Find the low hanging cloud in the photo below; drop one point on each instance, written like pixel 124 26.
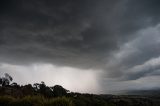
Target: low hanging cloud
pixel 148 68
pixel 136 54
pixel 119 39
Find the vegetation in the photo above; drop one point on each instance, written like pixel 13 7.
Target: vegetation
pixel 34 101
pixel 39 94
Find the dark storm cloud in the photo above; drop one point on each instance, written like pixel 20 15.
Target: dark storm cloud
pixel 65 32
pixel 78 33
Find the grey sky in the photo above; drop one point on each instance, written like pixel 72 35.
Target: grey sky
pixel 114 44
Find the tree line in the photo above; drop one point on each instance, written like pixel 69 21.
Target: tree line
pixel 35 89
pixel 39 94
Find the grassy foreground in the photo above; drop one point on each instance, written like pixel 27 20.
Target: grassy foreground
pixel 57 101
pixel 35 101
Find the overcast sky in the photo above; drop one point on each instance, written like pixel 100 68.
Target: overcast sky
pixel 94 46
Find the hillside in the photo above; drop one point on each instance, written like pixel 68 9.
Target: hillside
pixel 42 95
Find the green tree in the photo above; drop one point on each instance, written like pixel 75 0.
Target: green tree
pixel 59 91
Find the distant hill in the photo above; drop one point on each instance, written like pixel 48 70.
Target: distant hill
pixel 154 92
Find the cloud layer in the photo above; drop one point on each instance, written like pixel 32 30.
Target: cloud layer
pixel 120 39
